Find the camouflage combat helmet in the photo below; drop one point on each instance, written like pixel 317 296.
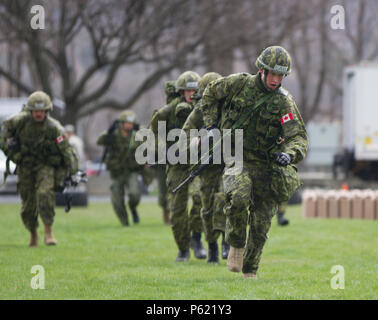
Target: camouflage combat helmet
pixel 127 116
pixel 187 81
pixel 205 80
pixel 39 101
pixel 275 59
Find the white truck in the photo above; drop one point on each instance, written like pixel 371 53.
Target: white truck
pixel 360 123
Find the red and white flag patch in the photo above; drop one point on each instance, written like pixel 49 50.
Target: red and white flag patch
pixel 60 139
pixel 286 118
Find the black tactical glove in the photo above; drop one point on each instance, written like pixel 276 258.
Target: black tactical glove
pixel 283 159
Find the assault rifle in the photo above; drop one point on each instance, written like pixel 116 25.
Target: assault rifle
pixel 203 163
pixel 193 174
pixel 72 181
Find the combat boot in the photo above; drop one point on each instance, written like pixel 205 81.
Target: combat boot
pixel 33 238
pixel 213 253
pixel 166 219
pixel 123 217
pixel 135 215
pixel 125 221
pixel 225 248
pixel 281 220
pixel 183 255
pixel 197 246
pixel 252 276
pixel 49 236
pixel 235 259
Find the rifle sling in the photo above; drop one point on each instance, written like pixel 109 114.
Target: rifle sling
pixel 239 124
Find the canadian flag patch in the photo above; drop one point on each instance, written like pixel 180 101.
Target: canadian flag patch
pixel 60 139
pixel 286 118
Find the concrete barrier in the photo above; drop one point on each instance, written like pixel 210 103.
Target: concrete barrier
pixel 354 204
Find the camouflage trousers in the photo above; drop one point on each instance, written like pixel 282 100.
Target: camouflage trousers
pixel 249 201
pixel 161 178
pixel 195 222
pixel 127 180
pixel 147 175
pixel 182 224
pixel 213 200
pixel 36 189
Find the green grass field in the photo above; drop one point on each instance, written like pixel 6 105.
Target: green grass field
pixel 96 258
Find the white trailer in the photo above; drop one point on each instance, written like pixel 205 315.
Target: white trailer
pixel 360 123
pixel 360 111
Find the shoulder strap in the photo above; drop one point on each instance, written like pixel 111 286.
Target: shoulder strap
pixel 239 87
pixel 241 120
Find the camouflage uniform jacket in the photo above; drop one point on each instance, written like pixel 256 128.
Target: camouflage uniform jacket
pixel 121 155
pixel 275 126
pixel 36 145
pixel 194 120
pixel 174 119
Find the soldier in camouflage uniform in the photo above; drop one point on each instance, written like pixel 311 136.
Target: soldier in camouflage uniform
pixel 212 196
pixel 124 169
pixel 174 114
pixel 37 144
pixel 160 169
pixel 274 137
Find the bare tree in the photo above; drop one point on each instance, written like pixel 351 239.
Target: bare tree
pixel 308 47
pixel 358 42
pixel 112 34
pixel 88 47
pixel 319 53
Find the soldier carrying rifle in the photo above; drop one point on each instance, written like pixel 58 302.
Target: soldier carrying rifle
pixel 119 157
pixel 37 144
